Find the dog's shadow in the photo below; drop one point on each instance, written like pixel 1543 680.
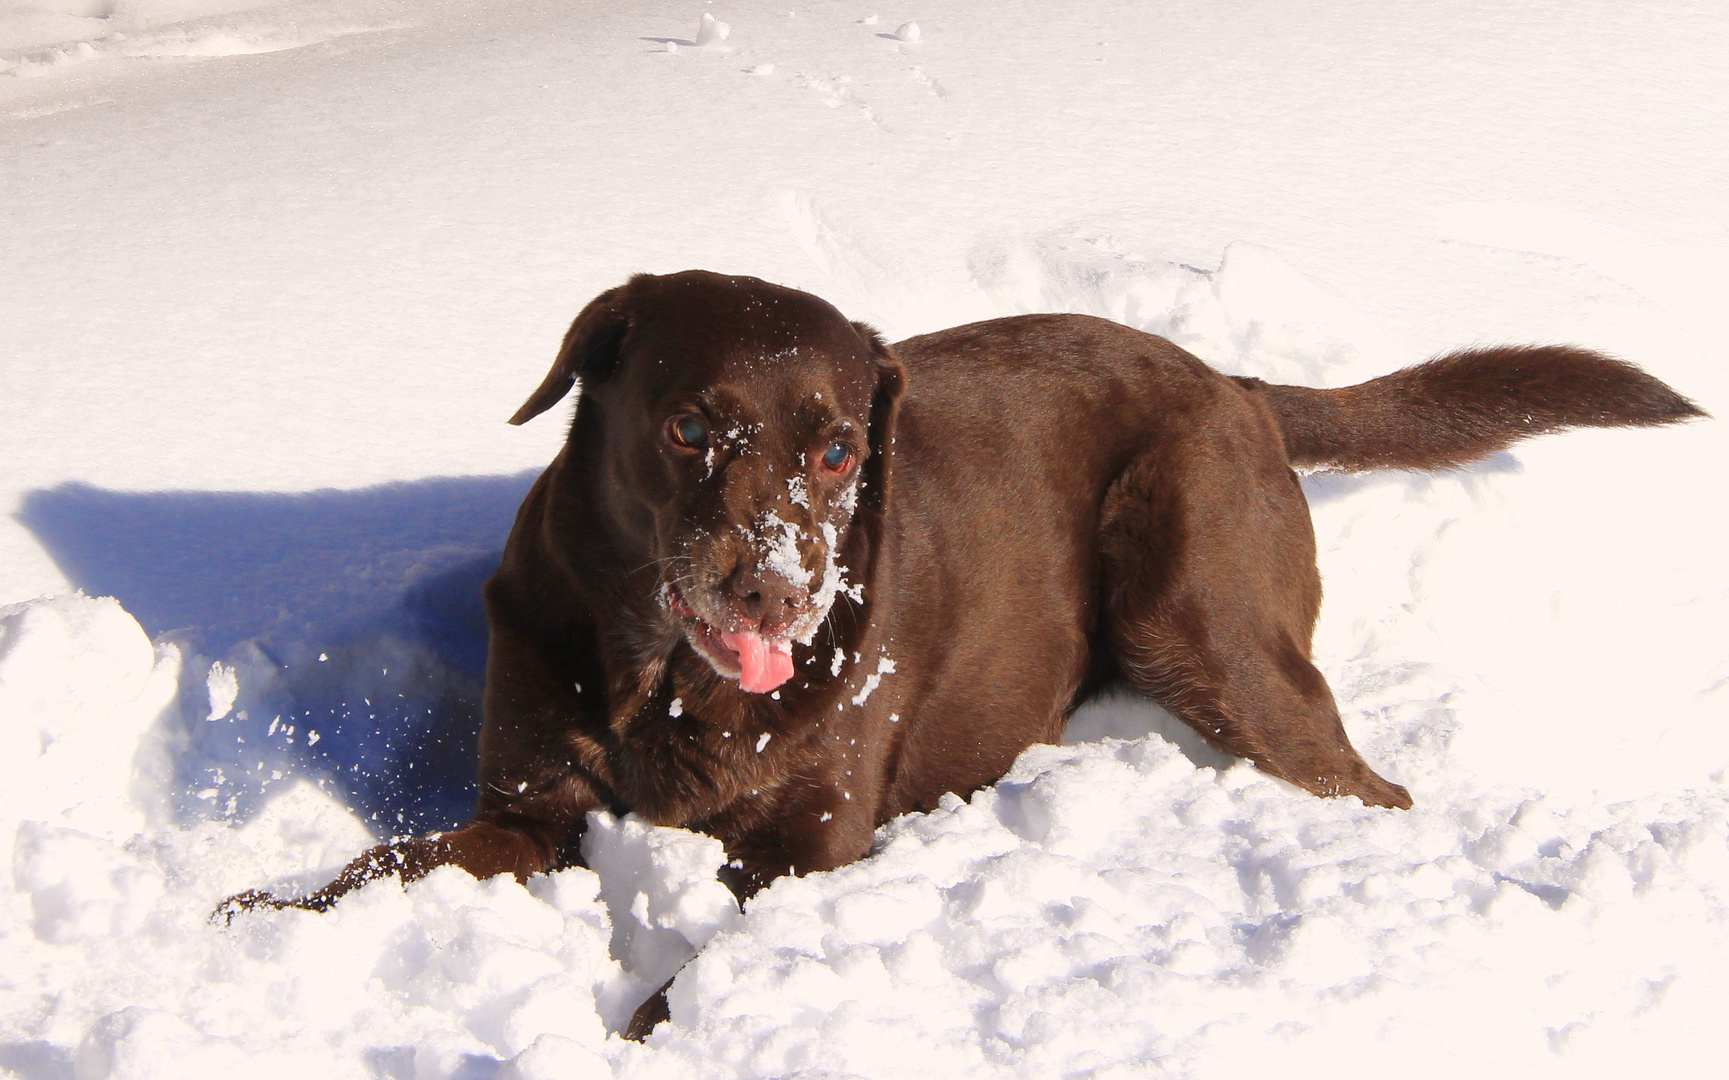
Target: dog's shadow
pixel 351 620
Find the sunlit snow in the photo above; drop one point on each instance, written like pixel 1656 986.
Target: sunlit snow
pixel 277 273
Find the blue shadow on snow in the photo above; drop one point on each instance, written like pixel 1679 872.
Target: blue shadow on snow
pixel 353 619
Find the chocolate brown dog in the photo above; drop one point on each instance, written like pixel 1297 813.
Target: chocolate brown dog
pixel 785 582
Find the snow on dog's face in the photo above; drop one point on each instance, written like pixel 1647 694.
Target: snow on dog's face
pixel 732 429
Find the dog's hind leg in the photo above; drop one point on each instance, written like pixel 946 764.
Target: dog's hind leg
pixel 1210 594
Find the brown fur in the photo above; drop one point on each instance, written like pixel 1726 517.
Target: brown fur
pixel 1456 409
pixel 1044 502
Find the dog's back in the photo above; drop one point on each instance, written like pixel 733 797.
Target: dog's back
pixel 1077 500
pixel 1009 435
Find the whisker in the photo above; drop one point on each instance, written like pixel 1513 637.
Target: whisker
pixel 663 559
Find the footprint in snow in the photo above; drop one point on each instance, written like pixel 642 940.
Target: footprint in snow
pixel 929 82
pixel 838 92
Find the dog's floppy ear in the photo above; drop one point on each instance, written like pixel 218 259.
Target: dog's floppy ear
pixel 590 351
pixel 885 407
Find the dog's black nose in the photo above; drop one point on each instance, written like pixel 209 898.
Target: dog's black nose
pixel 766 599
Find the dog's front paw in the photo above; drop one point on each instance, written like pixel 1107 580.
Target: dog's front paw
pixel 246 901
pixel 649 1014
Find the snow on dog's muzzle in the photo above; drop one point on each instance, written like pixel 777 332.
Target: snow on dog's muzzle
pixel 745 624
pixel 760 662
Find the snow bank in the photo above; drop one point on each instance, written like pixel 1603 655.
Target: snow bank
pixel 114 967
pixel 1110 901
pixel 44 37
pixel 81 691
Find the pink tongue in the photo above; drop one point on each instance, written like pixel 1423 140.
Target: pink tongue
pixel 763 664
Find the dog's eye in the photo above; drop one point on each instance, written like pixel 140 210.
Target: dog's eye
pixel 689 432
pixel 838 457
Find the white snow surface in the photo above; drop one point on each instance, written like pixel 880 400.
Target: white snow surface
pixel 278 272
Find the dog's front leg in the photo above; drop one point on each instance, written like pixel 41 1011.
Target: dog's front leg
pixel 519 846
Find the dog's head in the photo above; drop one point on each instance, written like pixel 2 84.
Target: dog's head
pixel 735 435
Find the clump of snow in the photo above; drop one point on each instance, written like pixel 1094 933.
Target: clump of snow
pixel 885 666
pixel 908 31
pixel 83 696
pixel 711 31
pixel 223 685
pixel 664 900
pixel 832 585
pixel 847 499
pixel 779 540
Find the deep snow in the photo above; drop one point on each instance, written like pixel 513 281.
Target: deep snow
pixel 278 273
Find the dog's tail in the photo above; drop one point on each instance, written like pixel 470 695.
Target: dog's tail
pixel 1458 408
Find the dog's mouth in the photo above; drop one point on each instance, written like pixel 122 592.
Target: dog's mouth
pixel 759 662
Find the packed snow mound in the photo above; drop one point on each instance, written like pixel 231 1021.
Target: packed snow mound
pixel 114 967
pixel 1110 902
pixel 81 693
